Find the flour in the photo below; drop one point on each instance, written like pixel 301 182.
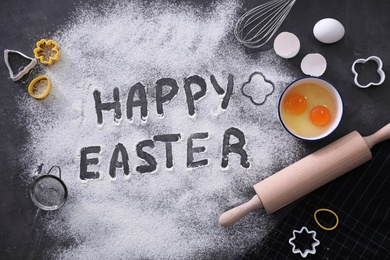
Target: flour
pixel 170 212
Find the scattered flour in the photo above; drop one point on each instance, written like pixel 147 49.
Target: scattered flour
pixel 168 213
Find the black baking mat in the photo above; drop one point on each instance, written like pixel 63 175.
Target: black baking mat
pixel 361 201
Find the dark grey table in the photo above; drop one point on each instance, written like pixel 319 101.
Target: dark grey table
pixel 367 24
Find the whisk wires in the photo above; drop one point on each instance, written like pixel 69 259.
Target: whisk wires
pixel 258 25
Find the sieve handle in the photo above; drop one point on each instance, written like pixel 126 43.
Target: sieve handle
pixel 36 232
pixel 59 170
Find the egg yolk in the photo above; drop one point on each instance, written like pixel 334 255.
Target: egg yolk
pixel 295 103
pixel 320 116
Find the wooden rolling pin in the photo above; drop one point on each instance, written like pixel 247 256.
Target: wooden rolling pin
pixel 308 174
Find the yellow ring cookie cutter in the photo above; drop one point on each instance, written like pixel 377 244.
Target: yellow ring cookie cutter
pixel 47 51
pixel 40 87
pixel 330 211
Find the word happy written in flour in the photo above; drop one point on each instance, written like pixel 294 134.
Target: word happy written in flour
pixel 137 99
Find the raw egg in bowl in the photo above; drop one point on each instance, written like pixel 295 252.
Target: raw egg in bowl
pixel 310 108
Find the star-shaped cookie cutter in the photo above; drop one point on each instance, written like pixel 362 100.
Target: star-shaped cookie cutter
pixel 379 70
pixel 307 251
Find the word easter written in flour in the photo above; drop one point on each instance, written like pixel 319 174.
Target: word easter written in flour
pixel 137 98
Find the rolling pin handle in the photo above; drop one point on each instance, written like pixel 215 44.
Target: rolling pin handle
pixel 235 214
pixel 379 136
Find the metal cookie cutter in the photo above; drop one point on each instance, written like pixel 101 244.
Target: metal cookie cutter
pixel 379 70
pixel 307 251
pixel 24 71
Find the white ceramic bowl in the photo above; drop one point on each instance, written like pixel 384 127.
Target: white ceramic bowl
pixel 319 132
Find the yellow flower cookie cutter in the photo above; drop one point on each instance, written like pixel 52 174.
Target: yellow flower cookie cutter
pixel 47 51
pixel 330 211
pixel 40 87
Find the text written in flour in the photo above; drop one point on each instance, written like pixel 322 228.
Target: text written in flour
pixel 120 158
pixel 195 88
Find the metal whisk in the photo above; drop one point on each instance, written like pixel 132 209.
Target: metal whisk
pixel 259 24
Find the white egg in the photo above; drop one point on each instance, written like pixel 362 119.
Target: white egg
pixel 328 30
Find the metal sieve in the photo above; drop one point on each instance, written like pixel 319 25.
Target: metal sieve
pixel 49 192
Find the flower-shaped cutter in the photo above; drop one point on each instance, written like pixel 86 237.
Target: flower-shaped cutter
pixel 307 251
pixel 379 70
pixel 47 51
pixel 249 81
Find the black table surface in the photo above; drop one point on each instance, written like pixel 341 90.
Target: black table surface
pixel 367 24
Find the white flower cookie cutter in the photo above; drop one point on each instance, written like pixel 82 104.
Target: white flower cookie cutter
pixel 306 251
pixel 379 71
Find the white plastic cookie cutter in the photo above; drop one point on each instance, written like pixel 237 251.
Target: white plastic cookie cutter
pixel 379 70
pixel 307 251
pixel 24 71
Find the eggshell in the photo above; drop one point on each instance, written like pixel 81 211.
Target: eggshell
pixel 286 45
pixel 328 30
pixel 313 64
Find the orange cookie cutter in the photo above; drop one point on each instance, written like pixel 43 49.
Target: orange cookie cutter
pixel 47 51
